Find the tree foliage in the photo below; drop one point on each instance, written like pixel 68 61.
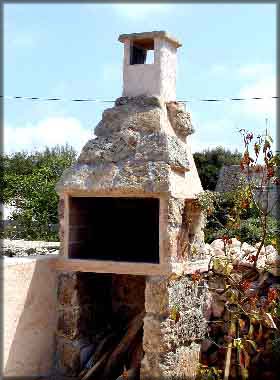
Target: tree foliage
pixel 228 214
pixel 209 163
pixel 28 184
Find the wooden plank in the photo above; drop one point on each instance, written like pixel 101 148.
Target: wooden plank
pixel 96 366
pixel 117 355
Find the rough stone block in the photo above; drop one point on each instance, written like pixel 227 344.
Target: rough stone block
pixel 128 293
pixel 153 339
pixel 139 100
pixel 175 242
pixel 156 295
pixel 75 322
pixel 66 290
pixel 110 149
pixel 150 369
pixel 68 321
pixel 68 358
pixel 84 177
pixel 129 116
pixel 73 288
pixel 179 119
pixel 131 176
pixel 146 176
pixel 162 147
pixel 188 362
pixel 175 210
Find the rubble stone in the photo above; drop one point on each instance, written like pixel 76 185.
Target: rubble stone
pixel 217 244
pixel 129 116
pixel 139 101
pixel 130 177
pixel 150 366
pixel 67 288
pixel 131 145
pixel 74 322
pixel 175 211
pixel 22 248
pixel 68 358
pixel 179 119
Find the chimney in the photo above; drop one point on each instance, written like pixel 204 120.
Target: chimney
pixel 128 208
pixel 150 79
pixel 121 194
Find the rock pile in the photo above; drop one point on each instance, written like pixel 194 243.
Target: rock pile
pixel 242 254
pixel 265 279
pixel 22 248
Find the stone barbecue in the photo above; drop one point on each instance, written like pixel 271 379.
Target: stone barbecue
pixel 129 221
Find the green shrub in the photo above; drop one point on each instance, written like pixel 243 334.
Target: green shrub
pixel 28 183
pixel 249 231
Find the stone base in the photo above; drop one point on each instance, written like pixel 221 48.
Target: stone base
pixel 174 327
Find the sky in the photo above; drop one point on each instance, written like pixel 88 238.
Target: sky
pixel 72 51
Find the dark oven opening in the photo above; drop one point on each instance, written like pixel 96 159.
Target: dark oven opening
pixel 111 228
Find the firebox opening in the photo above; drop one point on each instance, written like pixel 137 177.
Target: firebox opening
pixel 109 310
pixel 111 228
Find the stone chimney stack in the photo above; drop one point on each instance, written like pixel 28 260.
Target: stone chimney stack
pixel 150 79
pixel 128 208
pixel 140 152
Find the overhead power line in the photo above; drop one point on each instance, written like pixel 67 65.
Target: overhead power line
pixel 36 98
pixel 54 99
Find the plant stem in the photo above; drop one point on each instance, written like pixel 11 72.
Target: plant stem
pixel 228 361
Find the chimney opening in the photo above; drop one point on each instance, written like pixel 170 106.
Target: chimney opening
pixel 142 52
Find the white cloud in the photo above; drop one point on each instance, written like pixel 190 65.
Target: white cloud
pixel 139 11
pixel 256 70
pixel 48 132
pixel 256 80
pixel 244 72
pixel 260 109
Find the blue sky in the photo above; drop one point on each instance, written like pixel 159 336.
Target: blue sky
pixel 72 51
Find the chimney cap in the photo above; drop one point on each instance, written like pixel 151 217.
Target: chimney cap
pixel 150 35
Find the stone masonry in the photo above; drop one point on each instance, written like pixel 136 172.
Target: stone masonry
pixel 141 150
